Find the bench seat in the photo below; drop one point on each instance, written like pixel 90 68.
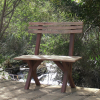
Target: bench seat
pixel 49 57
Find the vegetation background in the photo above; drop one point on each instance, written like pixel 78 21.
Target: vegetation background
pixel 15 39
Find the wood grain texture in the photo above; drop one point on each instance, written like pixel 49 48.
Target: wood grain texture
pixel 55 23
pixel 71 44
pixel 37 46
pixel 55 31
pixel 49 57
pixel 55 27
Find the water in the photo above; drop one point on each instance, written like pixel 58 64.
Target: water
pixel 51 77
pixel 48 78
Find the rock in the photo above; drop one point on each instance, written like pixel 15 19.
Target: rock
pixel 42 69
pixel 51 67
pixel 13 70
pixel 4 75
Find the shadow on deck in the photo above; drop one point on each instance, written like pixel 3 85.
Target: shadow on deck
pixel 12 90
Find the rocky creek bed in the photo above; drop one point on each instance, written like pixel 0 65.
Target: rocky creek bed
pixel 48 73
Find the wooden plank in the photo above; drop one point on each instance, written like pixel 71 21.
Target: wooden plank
pixel 70 75
pixel 71 45
pixel 65 77
pixel 38 40
pixel 55 23
pixel 55 31
pixel 55 27
pixel 49 57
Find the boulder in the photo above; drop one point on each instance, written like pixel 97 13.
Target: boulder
pixel 42 69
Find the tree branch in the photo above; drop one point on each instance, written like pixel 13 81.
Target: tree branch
pixel 14 6
pixel 87 31
pixel 3 11
pixel 6 26
pixel 88 28
pixel 9 2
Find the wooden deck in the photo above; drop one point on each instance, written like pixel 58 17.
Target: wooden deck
pixel 12 90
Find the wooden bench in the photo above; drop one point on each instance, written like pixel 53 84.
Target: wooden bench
pixel 63 62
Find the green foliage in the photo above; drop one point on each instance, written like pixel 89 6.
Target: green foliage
pixel 7 9
pixel 55 44
pixel 1 58
pixel 17 41
pixel 14 45
pixel 88 10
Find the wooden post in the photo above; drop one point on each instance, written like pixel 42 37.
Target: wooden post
pixel 32 72
pixel 65 77
pixel 71 49
pixel 38 40
pixel 71 45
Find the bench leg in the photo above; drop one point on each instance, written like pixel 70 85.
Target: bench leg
pixel 67 76
pixel 35 78
pixel 65 80
pixel 32 73
pixel 28 79
pixel 59 64
pixel 70 76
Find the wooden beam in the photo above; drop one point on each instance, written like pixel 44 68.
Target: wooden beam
pixel 56 31
pixel 71 45
pixel 55 23
pixel 38 40
pixel 55 27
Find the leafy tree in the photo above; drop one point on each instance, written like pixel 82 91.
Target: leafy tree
pixel 87 44
pixel 7 9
